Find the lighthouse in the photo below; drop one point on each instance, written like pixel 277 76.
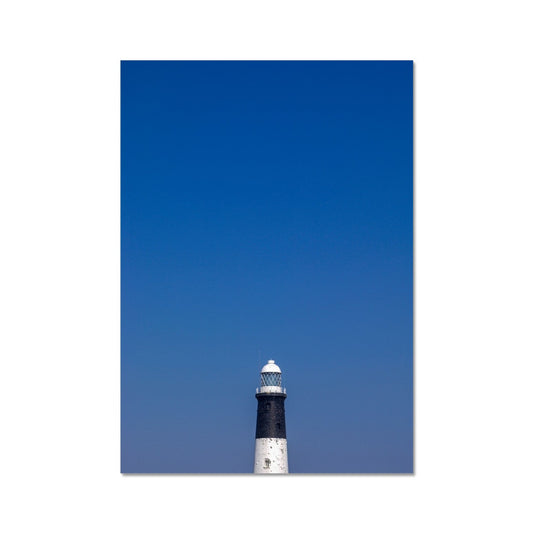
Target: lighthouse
pixel 270 434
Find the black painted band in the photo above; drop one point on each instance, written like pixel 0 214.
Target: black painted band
pixel 270 416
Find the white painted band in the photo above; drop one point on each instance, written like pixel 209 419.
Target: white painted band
pixel 271 456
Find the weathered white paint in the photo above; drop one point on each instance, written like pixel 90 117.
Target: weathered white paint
pixel 271 456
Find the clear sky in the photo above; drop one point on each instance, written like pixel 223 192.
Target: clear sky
pixel 267 212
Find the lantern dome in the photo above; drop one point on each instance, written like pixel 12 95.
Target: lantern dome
pixel 271 367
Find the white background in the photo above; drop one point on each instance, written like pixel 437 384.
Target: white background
pixel 60 235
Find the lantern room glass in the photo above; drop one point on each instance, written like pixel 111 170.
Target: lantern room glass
pixel 271 379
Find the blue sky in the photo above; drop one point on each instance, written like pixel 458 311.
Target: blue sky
pixel 266 212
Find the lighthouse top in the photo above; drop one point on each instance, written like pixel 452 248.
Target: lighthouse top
pixel 271 378
pixel 271 367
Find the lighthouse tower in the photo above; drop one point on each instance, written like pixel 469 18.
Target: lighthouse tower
pixel 270 435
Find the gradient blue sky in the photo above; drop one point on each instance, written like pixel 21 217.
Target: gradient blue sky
pixel 267 212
